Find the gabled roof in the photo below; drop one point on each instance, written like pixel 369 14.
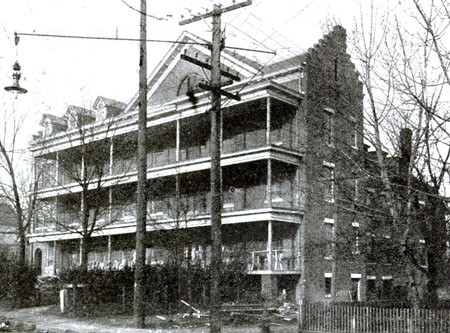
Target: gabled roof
pixel 108 102
pixel 78 110
pixel 53 119
pixel 169 73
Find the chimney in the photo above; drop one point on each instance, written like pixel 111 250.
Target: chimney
pixel 405 153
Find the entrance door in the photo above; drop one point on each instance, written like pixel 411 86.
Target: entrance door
pixel 38 261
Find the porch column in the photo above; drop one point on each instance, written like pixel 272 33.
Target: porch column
pixel 83 167
pixel 111 156
pixel 269 286
pixel 47 255
pixel 109 250
pixel 178 139
pixel 110 205
pixel 57 220
pixel 57 169
pixel 269 183
pixel 268 121
pixel 269 245
pixel 31 258
pixel 81 250
pixel 177 200
pixel 55 259
pixel 297 191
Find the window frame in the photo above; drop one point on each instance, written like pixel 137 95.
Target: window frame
pixel 330 186
pixel 329 124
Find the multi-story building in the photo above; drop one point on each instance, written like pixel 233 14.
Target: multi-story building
pixel 285 147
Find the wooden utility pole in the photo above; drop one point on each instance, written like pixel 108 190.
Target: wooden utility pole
pixel 216 174
pixel 141 207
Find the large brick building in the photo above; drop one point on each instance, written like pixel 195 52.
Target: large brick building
pixel 289 147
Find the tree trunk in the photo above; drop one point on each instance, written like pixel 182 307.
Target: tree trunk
pixel 21 255
pixel 85 249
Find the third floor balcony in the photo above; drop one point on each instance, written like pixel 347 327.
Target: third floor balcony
pixel 246 128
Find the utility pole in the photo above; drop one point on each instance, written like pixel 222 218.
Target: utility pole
pixel 216 174
pixel 141 207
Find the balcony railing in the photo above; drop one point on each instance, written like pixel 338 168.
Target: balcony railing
pixel 189 153
pixel 283 137
pixel 281 260
pixel 42 227
pixel 124 165
pixel 188 207
pixel 124 213
pixel 244 141
pixel 68 220
pixel 161 158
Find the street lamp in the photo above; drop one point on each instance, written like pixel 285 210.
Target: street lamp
pixel 16 78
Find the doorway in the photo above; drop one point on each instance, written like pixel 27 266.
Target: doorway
pixel 38 261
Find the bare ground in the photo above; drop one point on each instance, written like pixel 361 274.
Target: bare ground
pixel 48 319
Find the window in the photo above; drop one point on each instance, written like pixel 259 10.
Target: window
pixel 354 136
pixel 355 291
pixel 371 288
pixel 422 253
pixel 386 287
pixel 329 126
pixel 329 182
pixel 353 132
pixel 328 277
pixel 329 238
pixel 355 245
pixel 356 189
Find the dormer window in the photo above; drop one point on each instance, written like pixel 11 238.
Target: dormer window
pixel 52 124
pixel 78 117
pixel 106 108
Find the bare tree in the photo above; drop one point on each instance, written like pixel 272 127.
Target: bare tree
pixel 84 173
pixel 17 189
pixel 403 67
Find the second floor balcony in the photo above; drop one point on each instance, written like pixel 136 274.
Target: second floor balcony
pixel 183 210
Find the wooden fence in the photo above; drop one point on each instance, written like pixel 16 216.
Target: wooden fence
pixel 355 319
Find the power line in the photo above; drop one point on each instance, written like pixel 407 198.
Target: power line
pixel 146 14
pixel 208 45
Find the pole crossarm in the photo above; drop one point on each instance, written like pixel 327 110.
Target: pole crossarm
pixel 222 92
pixel 208 66
pixel 216 11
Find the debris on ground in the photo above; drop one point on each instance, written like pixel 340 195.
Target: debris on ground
pixel 19 326
pixel 194 312
pixel 287 312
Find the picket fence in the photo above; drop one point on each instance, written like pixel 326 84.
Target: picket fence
pixel 355 319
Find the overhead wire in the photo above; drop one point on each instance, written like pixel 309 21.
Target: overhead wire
pixel 140 12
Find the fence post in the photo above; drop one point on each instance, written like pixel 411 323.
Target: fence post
pixel 300 315
pixel 353 329
pixel 410 326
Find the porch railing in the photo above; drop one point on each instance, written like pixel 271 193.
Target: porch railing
pixel 275 260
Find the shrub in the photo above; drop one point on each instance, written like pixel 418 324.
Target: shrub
pixel 165 286
pixel 21 280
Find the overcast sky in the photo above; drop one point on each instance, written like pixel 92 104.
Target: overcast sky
pixel 61 72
